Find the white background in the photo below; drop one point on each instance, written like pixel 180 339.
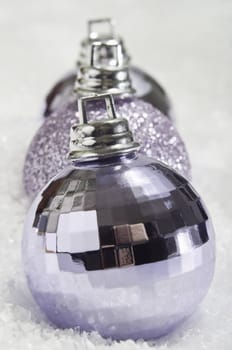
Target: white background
pixel 187 46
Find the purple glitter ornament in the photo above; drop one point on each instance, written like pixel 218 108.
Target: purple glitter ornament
pixel 117 243
pixel 153 130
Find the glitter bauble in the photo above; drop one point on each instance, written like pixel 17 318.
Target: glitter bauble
pixel 146 88
pixel 123 247
pixel 153 130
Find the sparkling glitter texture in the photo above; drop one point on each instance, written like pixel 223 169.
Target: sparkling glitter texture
pixel 123 247
pixel 153 130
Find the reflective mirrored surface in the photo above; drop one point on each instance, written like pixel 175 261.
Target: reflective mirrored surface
pixel 124 247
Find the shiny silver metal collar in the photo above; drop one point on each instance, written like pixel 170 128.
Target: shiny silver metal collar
pixel 103 66
pixel 100 30
pixel 100 139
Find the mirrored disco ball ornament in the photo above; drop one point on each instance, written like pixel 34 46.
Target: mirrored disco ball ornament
pixel 101 32
pixel 117 243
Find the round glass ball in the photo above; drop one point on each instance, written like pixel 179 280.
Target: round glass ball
pixel 157 135
pixel 123 246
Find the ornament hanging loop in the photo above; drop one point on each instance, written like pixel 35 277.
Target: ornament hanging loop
pixel 106 55
pixel 109 26
pixel 109 103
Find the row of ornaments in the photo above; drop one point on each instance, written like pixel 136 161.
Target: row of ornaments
pixel 117 242
pixel 104 67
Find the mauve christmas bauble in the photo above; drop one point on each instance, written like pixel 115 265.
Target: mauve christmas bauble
pixel 122 246
pixel 152 129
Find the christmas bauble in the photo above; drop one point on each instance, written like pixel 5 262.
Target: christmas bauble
pixel 124 248
pixel 155 132
pixel 117 243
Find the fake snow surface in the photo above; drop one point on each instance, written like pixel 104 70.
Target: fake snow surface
pixel 190 52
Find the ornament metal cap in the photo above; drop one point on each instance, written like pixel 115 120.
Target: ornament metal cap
pixel 100 139
pixel 103 66
pixel 100 30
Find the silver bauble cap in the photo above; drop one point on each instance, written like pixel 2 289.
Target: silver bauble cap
pixel 100 139
pixel 103 66
pixel 101 30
